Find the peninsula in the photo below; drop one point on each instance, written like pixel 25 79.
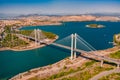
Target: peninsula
pixel 17 40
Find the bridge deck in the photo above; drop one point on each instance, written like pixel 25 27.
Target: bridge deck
pixel 77 50
pixel 29 37
pixel 90 54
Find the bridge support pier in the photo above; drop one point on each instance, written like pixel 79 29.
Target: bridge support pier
pixel 74 55
pixel 75 42
pixel 28 40
pixel 118 65
pixel 35 37
pixel 19 76
pixel 38 36
pixel 72 37
pixel 101 64
pixel 73 46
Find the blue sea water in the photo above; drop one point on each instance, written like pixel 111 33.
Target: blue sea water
pixel 14 62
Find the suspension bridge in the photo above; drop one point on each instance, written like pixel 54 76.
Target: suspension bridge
pixel 77 44
pixel 37 36
pixel 74 43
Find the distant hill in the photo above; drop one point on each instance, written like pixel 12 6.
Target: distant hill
pixel 7 16
pixel 104 14
pixel 10 16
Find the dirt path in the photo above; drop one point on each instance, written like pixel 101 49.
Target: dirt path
pixel 105 73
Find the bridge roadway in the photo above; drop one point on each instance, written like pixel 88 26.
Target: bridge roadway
pixel 29 37
pixel 89 54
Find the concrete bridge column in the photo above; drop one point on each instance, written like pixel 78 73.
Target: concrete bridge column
pixel 35 31
pixel 28 39
pixel 101 64
pixel 19 76
pixel 75 42
pixel 118 65
pixel 72 36
pixel 74 55
pixel 38 35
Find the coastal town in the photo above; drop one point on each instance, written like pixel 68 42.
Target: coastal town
pixel 54 20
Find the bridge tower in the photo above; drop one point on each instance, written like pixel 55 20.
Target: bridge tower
pixel 73 45
pixel 35 31
pixel 72 41
pixel 39 36
pixel 75 42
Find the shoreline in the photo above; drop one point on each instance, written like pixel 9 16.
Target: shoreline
pixel 31 46
pixel 45 71
pixel 60 23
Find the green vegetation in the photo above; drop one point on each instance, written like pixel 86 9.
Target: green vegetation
pixel 25 32
pixel 28 33
pixel 64 72
pixel 95 26
pixel 85 72
pixel 49 35
pixel 12 40
pixel 114 76
pixel 86 75
pixel 115 55
pixel 7 29
pixel 89 63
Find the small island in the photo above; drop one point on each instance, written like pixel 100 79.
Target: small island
pixel 95 26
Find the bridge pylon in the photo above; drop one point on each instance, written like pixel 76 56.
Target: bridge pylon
pixel 73 45
pixel 39 36
pixel 75 42
pixel 35 31
pixel 72 38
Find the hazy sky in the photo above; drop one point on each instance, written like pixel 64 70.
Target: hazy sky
pixel 59 6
